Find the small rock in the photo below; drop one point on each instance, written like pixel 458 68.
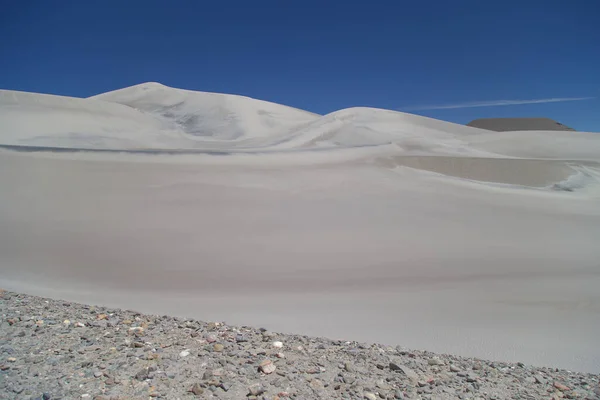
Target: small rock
pixel 267 335
pixel 435 361
pixel 370 396
pixel 196 389
pixel 267 367
pixel 278 345
pixel 11 359
pixel 256 389
pixel 317 385
pixel 454 368
pixel 213 326
pixel 348 367
pixel 137 330
pixel 80 325
pixel 561 387
pixel 211 338
pixel 404 370
pixel 142 374
pixel 218 347
pixel 280 355
pixel 184 353
pixel 239 338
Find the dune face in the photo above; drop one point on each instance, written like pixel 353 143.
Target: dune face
pixel 212 115
pixel 363 224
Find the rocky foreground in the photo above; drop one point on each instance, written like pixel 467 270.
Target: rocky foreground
pixel 52 349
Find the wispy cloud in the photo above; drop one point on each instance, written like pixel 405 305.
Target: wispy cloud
pixel 495 103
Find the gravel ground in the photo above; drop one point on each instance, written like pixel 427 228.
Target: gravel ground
pixel 51 349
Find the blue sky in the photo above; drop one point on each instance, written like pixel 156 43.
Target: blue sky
pixel 319 55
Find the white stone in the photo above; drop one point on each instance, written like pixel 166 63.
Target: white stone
pixel 184 353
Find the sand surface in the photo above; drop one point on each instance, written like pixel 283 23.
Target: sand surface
pixel 362 224
pixel 349 250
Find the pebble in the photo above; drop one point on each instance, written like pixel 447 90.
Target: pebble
pixel 184 353
pixel 218 347
pixel 404 370
pixel 370 396
pixel 278 345
pixel 561 387
pixel 267 367
pixel 211 338
pixel 256 390
pixel 196 389
pixel 240 338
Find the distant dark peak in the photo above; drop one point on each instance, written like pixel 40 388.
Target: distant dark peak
pixel 519 124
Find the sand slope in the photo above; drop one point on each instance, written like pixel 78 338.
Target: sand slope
pixel 213 115
pixel 362 224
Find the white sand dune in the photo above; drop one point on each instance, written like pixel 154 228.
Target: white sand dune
pixel 47 120
pixel 362 224
pixel 210 115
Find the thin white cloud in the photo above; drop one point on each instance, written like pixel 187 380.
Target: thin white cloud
pixel 496 103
